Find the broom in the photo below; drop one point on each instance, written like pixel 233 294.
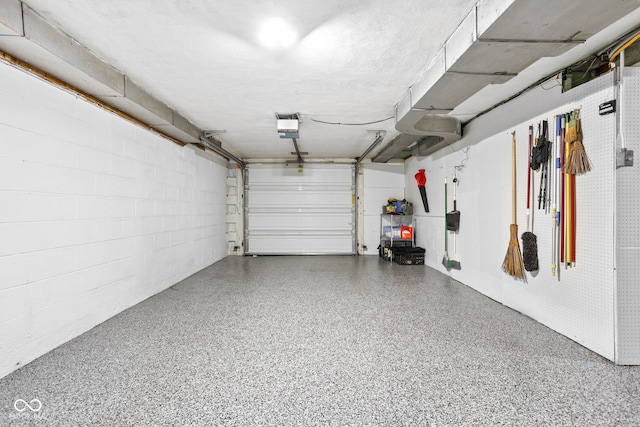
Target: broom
pixel 512 264
pixel 577 161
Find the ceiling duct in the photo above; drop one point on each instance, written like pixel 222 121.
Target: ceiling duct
pixel 44 49
pixel 427 145
pixel 432 132
pixel 396 148
pixel 496 41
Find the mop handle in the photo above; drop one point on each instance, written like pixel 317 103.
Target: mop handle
pixel 446 240
pixel 558 194
pixel 513 178
pixel 529 170
pixel 562 189
pixel 558 176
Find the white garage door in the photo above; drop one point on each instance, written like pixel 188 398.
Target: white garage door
pixel 299 213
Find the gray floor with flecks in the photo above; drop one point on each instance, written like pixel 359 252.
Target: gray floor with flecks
pixel 339 341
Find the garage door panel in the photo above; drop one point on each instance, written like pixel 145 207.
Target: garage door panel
pixel 303 243
pixel 299 199
pixel 320 174
pixel 298 220
pixel 293 213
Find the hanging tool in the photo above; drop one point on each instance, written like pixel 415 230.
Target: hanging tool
pixel 551 187
pixel 578 162
pixel 421 179
pixel 445 259
pixel 562 191
pixel 567 189
pixel 512 263
pixel 555 218
pixel 542 156
pixel 540 146
pixel 453 224
pixel 529 240
pixel 570 239
pixel 546 205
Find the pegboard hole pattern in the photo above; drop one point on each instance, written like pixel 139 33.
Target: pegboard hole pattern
pixel 628 230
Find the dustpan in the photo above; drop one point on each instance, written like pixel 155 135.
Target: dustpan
pixel 453 219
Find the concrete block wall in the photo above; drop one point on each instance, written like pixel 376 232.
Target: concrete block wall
pixel 96 215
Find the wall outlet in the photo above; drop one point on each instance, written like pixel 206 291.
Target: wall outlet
pixel 624 158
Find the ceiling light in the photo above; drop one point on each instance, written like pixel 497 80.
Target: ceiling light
pixel 277 33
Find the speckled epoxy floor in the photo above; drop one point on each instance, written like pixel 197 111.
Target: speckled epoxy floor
pixel 340 341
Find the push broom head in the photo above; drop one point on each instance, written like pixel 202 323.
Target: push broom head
pixel 530 251
pixel 513 264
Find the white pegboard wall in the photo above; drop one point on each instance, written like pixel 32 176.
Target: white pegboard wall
pixel 581 304
pixel 628 199
pixel 628 230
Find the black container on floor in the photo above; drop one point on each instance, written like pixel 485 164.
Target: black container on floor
pixel 386 246
pixel 408 256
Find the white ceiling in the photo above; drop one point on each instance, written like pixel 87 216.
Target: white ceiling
pixel 353 61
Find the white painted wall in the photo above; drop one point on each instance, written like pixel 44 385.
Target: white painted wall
pixel 628 231
pixel 381 181
pixel 581 305
pixel 96 215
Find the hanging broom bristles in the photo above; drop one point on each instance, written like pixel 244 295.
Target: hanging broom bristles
pixel 513 264
pixel 577 161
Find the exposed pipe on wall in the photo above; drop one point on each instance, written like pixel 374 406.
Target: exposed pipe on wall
pixel 379 137
pixel 222 152
pixel 358 244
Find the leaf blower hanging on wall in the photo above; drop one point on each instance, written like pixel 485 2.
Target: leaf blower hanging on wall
pixel 421 179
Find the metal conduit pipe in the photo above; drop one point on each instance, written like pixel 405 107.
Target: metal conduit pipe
pixel 379 137
pixel 358 244
pixel 222 152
